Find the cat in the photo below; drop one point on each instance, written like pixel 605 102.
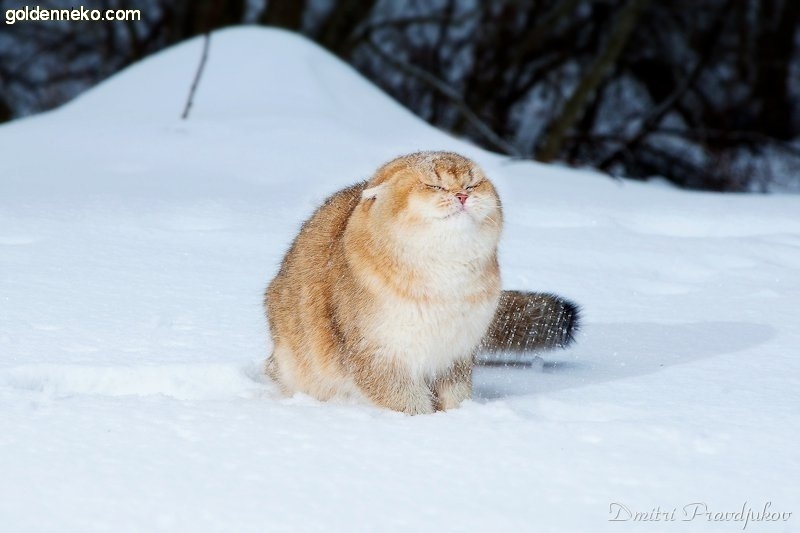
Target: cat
pixel 393 285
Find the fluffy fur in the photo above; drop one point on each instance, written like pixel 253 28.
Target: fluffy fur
pixel 529 321
pixel 390 287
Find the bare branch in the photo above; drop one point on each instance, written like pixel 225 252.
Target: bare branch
pixel 542 29
pixel 197 75
pixel 401 23
pixel 597 71
pixel 451 94
pixel 656 114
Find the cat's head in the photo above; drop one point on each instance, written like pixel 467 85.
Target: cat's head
pixel 435 191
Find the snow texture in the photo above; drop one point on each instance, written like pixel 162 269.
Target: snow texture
pixel 134 250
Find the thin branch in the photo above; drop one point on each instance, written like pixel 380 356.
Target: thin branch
pixel 544 27
pixel 448 92
pixel 655 116
pixel 594 76
pixel 197 75
pixel 401 23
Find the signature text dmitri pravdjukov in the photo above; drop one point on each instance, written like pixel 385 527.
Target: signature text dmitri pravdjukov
pixel 698 511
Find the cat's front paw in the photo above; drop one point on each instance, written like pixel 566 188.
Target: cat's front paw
pixel 417 401
pixel 420 409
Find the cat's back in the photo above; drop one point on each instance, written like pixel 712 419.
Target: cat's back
pixel 321 233
pixel 314 253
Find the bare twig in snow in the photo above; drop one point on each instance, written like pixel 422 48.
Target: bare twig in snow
pixel 197 75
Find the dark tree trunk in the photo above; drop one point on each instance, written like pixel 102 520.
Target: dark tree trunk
pixel 778 23
pixel 339 26
pixel 188 18
pixel 604 62
pixel 286 14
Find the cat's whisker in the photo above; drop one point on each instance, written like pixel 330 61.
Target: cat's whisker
pixel 493 221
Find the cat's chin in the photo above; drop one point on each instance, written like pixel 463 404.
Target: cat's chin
pixel 456 221
pixel 460 216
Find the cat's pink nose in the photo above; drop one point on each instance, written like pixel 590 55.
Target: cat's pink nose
pixel 462 197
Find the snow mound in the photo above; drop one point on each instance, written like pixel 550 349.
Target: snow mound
pixel 249 73
pixel 269 105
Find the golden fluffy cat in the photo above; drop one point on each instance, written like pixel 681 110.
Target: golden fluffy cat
pixel 392 286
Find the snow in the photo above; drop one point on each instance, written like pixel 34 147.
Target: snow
pixel 134 250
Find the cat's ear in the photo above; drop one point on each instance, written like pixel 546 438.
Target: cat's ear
pixel 373 192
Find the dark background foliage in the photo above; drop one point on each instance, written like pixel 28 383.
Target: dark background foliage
pixel 705 93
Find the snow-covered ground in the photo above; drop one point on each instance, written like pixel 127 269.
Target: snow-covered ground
pixel 134 249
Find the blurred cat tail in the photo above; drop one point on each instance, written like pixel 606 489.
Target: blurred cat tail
pixel 531 321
